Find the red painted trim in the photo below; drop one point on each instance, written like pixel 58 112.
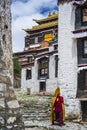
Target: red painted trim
pixel 80 31
pixel 81 65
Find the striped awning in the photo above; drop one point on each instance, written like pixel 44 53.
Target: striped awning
pixel 82 68
pixel 80 33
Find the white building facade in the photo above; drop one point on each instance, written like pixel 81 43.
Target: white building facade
pixel 39 60
pixel 41 84
pixel 70 35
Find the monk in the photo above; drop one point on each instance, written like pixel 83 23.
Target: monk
pixel 58 110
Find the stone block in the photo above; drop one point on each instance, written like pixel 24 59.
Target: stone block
pixel 2 87
pixel 13 104
pixel 11 120
pixel 2 102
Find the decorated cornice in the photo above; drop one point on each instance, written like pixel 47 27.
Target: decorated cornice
pixel 63 1
pixel 80 2
pixel 80 33
pixel 29 65
pixel 80 30
pixel 47 54
pixel 29 52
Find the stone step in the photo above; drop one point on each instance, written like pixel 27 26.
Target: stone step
pixel 33 124
pixel 39 114
pixel 35 117
pixel 39 111
pixel 39 106
pixel 36 111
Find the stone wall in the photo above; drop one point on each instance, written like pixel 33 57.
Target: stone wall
pixel 10 115
pixel 67 51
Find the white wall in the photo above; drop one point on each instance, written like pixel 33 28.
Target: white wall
pixel 34 83
pixel 67 51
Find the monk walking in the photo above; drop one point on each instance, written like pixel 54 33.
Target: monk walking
pixel 58 111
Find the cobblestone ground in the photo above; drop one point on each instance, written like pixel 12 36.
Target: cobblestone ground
pixel 35 110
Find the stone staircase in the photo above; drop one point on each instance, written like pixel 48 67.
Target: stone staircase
pixel 36 111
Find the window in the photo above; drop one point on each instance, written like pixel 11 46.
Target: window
pixel 27 41
pixel 28 74
pixel 48 37
pixel 84 16
pixel 55 47
pixel 36 39
pixel 82 80
pixel 29 59
pixel 43 67
pixel 85 80
pixel 84 48
pixel 56 66
pixel 54 34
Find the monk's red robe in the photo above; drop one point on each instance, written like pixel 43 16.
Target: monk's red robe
pixel 58 104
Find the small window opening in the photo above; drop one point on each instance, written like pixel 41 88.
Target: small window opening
pixel 42 86
pixel 28 74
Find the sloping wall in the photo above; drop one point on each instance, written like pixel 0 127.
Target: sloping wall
pixel 10 116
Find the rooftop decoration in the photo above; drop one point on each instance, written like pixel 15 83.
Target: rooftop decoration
pixel 50 21
pixel 50 17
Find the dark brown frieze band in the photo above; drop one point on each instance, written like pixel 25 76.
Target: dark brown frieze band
pixel 63 1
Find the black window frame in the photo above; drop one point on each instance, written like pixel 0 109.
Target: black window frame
pixel 27 41
pixel 85 80
pixel 43 69
pixel 56 66
pixel 83 45
pixel 82 22
pixel 28 74
pixel 56 47
pixel 29 59
pixel 82 82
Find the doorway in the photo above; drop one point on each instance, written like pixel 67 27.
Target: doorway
pixel 42 87
pixel 84 110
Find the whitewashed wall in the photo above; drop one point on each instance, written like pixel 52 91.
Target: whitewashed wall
pixel 34 83
pixel 67 51
pixel 52 81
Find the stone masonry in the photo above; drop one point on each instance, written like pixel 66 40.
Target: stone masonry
pixel 10 115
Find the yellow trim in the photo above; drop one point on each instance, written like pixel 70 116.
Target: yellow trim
pixel 50 17
pixel 42 26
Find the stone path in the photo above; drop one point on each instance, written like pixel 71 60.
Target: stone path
pixel 48 126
